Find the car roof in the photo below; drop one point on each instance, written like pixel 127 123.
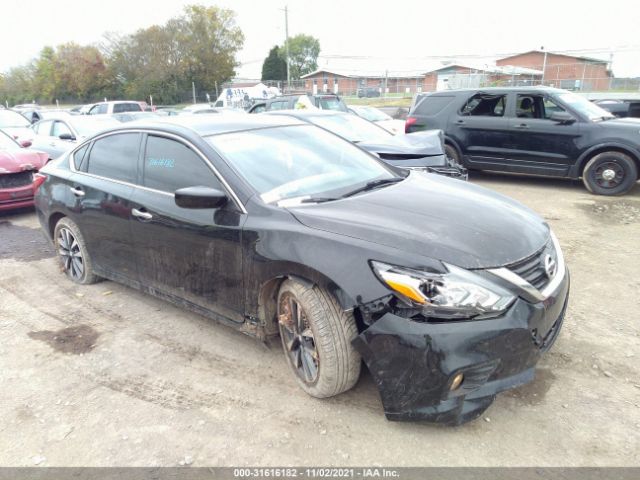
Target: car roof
pixel 531 89
pixel 303 113
pixel 206 125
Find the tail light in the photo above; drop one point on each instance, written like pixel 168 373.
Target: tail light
pixel 38 179
pixel 408 123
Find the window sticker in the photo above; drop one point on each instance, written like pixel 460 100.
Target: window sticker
pixel 161 162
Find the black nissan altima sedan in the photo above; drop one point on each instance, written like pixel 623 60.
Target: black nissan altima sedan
pixel 449 293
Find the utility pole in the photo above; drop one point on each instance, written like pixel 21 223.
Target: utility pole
pixel 193 91
pixel 286 45
pixel 544 64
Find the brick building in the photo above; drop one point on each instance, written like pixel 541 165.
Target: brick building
pixel 337 81
pixel 564 71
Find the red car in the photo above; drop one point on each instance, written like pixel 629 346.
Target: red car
pixel 18 173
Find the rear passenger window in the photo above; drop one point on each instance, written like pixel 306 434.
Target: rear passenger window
pixel 485 105
pixel 432 105
pixel 278 106
pixel 170 165
pixel 115 156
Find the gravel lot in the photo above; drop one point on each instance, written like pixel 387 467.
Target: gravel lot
pixel 106 376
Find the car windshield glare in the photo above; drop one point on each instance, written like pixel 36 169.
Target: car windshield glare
pixel 9 119
pixel 351 127
pixel 88 126
pixel 297 162
pixel 373 114
pixel 584 106
pixel 7 143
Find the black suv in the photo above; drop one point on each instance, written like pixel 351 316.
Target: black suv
pixel 534 130
pixel 288 102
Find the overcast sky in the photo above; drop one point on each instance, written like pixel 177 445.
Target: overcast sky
pixel 390 31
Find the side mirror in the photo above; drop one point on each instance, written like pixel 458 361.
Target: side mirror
pixel 562 117
pixel 66 136
pixel 200 197
pixel 25 143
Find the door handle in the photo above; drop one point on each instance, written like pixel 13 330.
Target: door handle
pixel 460 122
pixel 77 191
pixel 522 126
pixel 140 214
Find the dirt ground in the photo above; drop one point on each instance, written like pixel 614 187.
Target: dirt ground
pixel 106 376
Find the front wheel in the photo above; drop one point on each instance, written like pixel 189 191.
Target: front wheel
pixel 610 173
pixel 316 337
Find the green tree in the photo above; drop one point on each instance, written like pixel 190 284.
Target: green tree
pixel 274 66
pixel 303 54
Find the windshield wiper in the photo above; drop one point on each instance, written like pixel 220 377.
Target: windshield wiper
pixel 373 184
pixel 318 199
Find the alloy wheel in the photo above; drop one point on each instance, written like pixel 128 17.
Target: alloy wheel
pixel 70 253
pixel 297 338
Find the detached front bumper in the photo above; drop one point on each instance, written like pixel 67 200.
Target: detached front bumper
pixel 414 363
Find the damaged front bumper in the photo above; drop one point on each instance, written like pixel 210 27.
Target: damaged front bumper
pixel 414 363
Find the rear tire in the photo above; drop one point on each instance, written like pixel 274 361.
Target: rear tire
pixel 316 338
pixel 72 252
pixel 452 155
pixel 610 173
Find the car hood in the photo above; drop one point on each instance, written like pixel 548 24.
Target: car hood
pixel 394 126
pixel 419 144
pixel 626 121
pixel 13 161
pixel 437 217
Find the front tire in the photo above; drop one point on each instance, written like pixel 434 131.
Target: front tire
pixel 72 252
pixel 316 337
pixel 610 173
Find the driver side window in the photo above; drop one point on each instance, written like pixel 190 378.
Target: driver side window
pixel 170 165
pixel 550 107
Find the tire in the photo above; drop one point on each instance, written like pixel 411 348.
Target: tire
pixel 596 175
pixel 452 154
pixel 72 252
pixel 323 338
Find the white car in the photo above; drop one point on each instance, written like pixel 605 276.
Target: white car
pixel 378 117
pixel 117 106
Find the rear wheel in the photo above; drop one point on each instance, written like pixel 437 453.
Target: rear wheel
pixel 610 173
pixel 72 252
pixel 452 155
pixel 316 337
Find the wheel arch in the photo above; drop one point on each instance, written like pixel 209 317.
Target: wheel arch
pixel 454 143
pixel 54 218
pixel 268 295
pixel 601 148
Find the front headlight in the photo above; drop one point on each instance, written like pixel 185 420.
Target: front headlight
pixel 456 294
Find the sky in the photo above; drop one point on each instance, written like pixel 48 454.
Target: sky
pixel 406 33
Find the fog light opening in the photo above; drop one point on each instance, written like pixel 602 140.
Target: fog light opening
pixel 457 381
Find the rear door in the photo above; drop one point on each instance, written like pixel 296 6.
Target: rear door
pixel 481 129
pixel 190 254
pixel 103 187
pixel 42 139
pixel 541 145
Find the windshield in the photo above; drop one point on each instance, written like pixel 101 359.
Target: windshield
pixel 297 162
pixel 584 106
pixel 332 103
pixel 9 119
pixel 351 127
pixel 372 114
pixel 7 143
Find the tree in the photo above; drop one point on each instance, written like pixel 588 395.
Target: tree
pixel 303 54
pixel 274 66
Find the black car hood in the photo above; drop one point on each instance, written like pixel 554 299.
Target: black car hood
pixel 436 217
pixel 417 144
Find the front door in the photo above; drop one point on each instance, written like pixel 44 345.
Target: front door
pixel 541 145
pixel 189 254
